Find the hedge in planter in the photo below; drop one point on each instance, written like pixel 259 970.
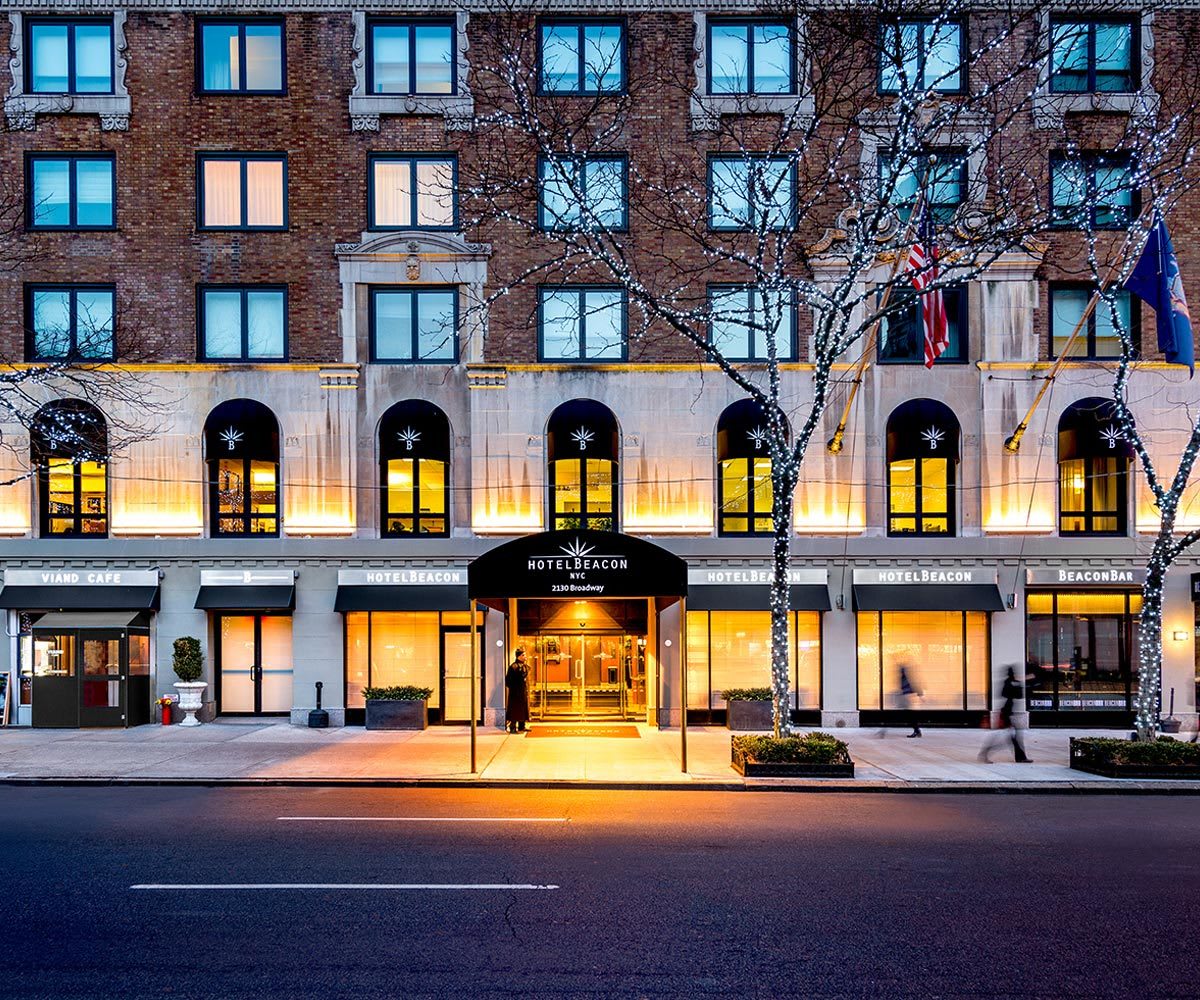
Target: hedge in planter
pixel 1115 758
pixel 748 708
pixel 403 707
pixel 814 755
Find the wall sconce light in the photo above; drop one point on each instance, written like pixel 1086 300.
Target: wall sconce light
pixel 1179 635
pixel 499 642
pixel 667 643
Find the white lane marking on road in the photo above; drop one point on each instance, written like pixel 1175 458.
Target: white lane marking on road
pixel 423 819
pixel 173 887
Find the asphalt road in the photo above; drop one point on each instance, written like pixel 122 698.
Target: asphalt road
pixel 657 894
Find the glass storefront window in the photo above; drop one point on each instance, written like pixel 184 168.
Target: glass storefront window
pixel 1081 648
pixel 945 652
pixel 728 649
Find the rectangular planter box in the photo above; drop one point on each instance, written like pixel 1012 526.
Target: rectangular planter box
pixel 1082 760
pixel 397 715
pixel 746 716
pixel 753 769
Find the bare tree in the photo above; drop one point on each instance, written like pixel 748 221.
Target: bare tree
pixel 810 193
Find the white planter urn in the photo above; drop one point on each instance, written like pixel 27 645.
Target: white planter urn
pixel 190 700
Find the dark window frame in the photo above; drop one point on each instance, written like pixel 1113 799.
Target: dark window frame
pixel 1135 322
pixel 793 190
pixel 581 290
pixel 373 291
pixel 72 159
pixel 214 501
pixel 752 513
pixel 241 23
pixel 580 24
pixel 369 70
pixel 918 513
pixel 78 516
pixel 1089 514
pixel 242 159
pixel 581 164
pixel 1132 21
pixel 73 354
pixel 896 24
pixel 412 159
pixel 942 212
pixel 793 340
pixel 960 293
pixel 243 289
pixel 584 516
pixel 749 23
pixel 1089 161
pixel 71 22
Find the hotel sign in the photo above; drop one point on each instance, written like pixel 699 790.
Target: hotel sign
pixel 923 576
pixel 1085 576
pixel 81 576
pixel 735 574
pixel 404 576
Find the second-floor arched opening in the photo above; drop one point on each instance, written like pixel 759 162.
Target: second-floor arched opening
pixel 69 449
pixel 744 490
pixel 582 451
pixel 1093 470
pixel 414 470
pixel 241 455
pixel 922 459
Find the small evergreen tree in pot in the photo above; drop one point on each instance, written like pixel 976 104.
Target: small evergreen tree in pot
pixel 188 663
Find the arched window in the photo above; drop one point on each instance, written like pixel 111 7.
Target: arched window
pixel 1093 470
pixel 581 449
pixel 744 490
pixel 414 465
pixel 922 454
pixel 69 448
pixel 241 451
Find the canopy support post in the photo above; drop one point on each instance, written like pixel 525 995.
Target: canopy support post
pixel 474 682
pixel 683 684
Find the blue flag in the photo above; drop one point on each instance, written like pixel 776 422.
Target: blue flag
pixel 1155 280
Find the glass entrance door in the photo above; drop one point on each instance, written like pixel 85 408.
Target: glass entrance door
pixel 254 664
pixel 456 674
pixel 102 687
pixel 588 675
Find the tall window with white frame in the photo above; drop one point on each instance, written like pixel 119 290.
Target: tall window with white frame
pixel 745 493
pixel 241 453
pixel 582 448
pixel 1093 470
pixel 69 450
pixel 747 323
pixel 581 323
pixel 923 440
pixel 414 471
pixel 69 55
pixel 413 326
pixel 240 56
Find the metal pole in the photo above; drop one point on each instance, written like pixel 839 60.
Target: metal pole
pixel 474 682
pixel 683 682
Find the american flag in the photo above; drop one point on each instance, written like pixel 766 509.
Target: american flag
pixel 923 265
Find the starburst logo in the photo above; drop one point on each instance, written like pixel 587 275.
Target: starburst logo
pixel 583 437
pixel 408 437
pixel 578 549
pixel 232 437
pixel 758 438
pixel 1110 436
pixel 933 437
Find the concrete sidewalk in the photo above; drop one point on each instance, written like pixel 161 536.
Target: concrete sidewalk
pixel 256 752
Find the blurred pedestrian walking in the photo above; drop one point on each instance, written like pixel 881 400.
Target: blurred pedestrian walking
pixel 1010 692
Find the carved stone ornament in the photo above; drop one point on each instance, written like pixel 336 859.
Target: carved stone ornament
pixel 364 123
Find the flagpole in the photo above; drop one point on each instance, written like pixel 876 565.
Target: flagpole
pixel 1012 443
pixel 835 443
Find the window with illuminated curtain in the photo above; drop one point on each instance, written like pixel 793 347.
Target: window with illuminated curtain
pixel 1093 470
pixel 582 454
pixel 744 491
pixel 922 458
pixel 241 452
pixel 414 470
pixel 240 56
pixel 240 191
pixel 69 450
pixel 412 192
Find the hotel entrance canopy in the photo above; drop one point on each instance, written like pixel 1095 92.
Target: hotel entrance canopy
pixel 575 565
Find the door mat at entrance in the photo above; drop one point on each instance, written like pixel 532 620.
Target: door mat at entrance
pixel 597 732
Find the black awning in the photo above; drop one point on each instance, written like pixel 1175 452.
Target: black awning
pixel 724 597
pixel 385 598
pixel 246 598
pixel 80 598
pixel 934 597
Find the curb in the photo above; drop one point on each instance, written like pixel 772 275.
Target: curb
pixel 826 786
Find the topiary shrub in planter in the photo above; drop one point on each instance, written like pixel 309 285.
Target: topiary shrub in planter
pixel 403 707
pixel 813 755
pixel 1113 758
pixel 188 663
pixel 748 708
